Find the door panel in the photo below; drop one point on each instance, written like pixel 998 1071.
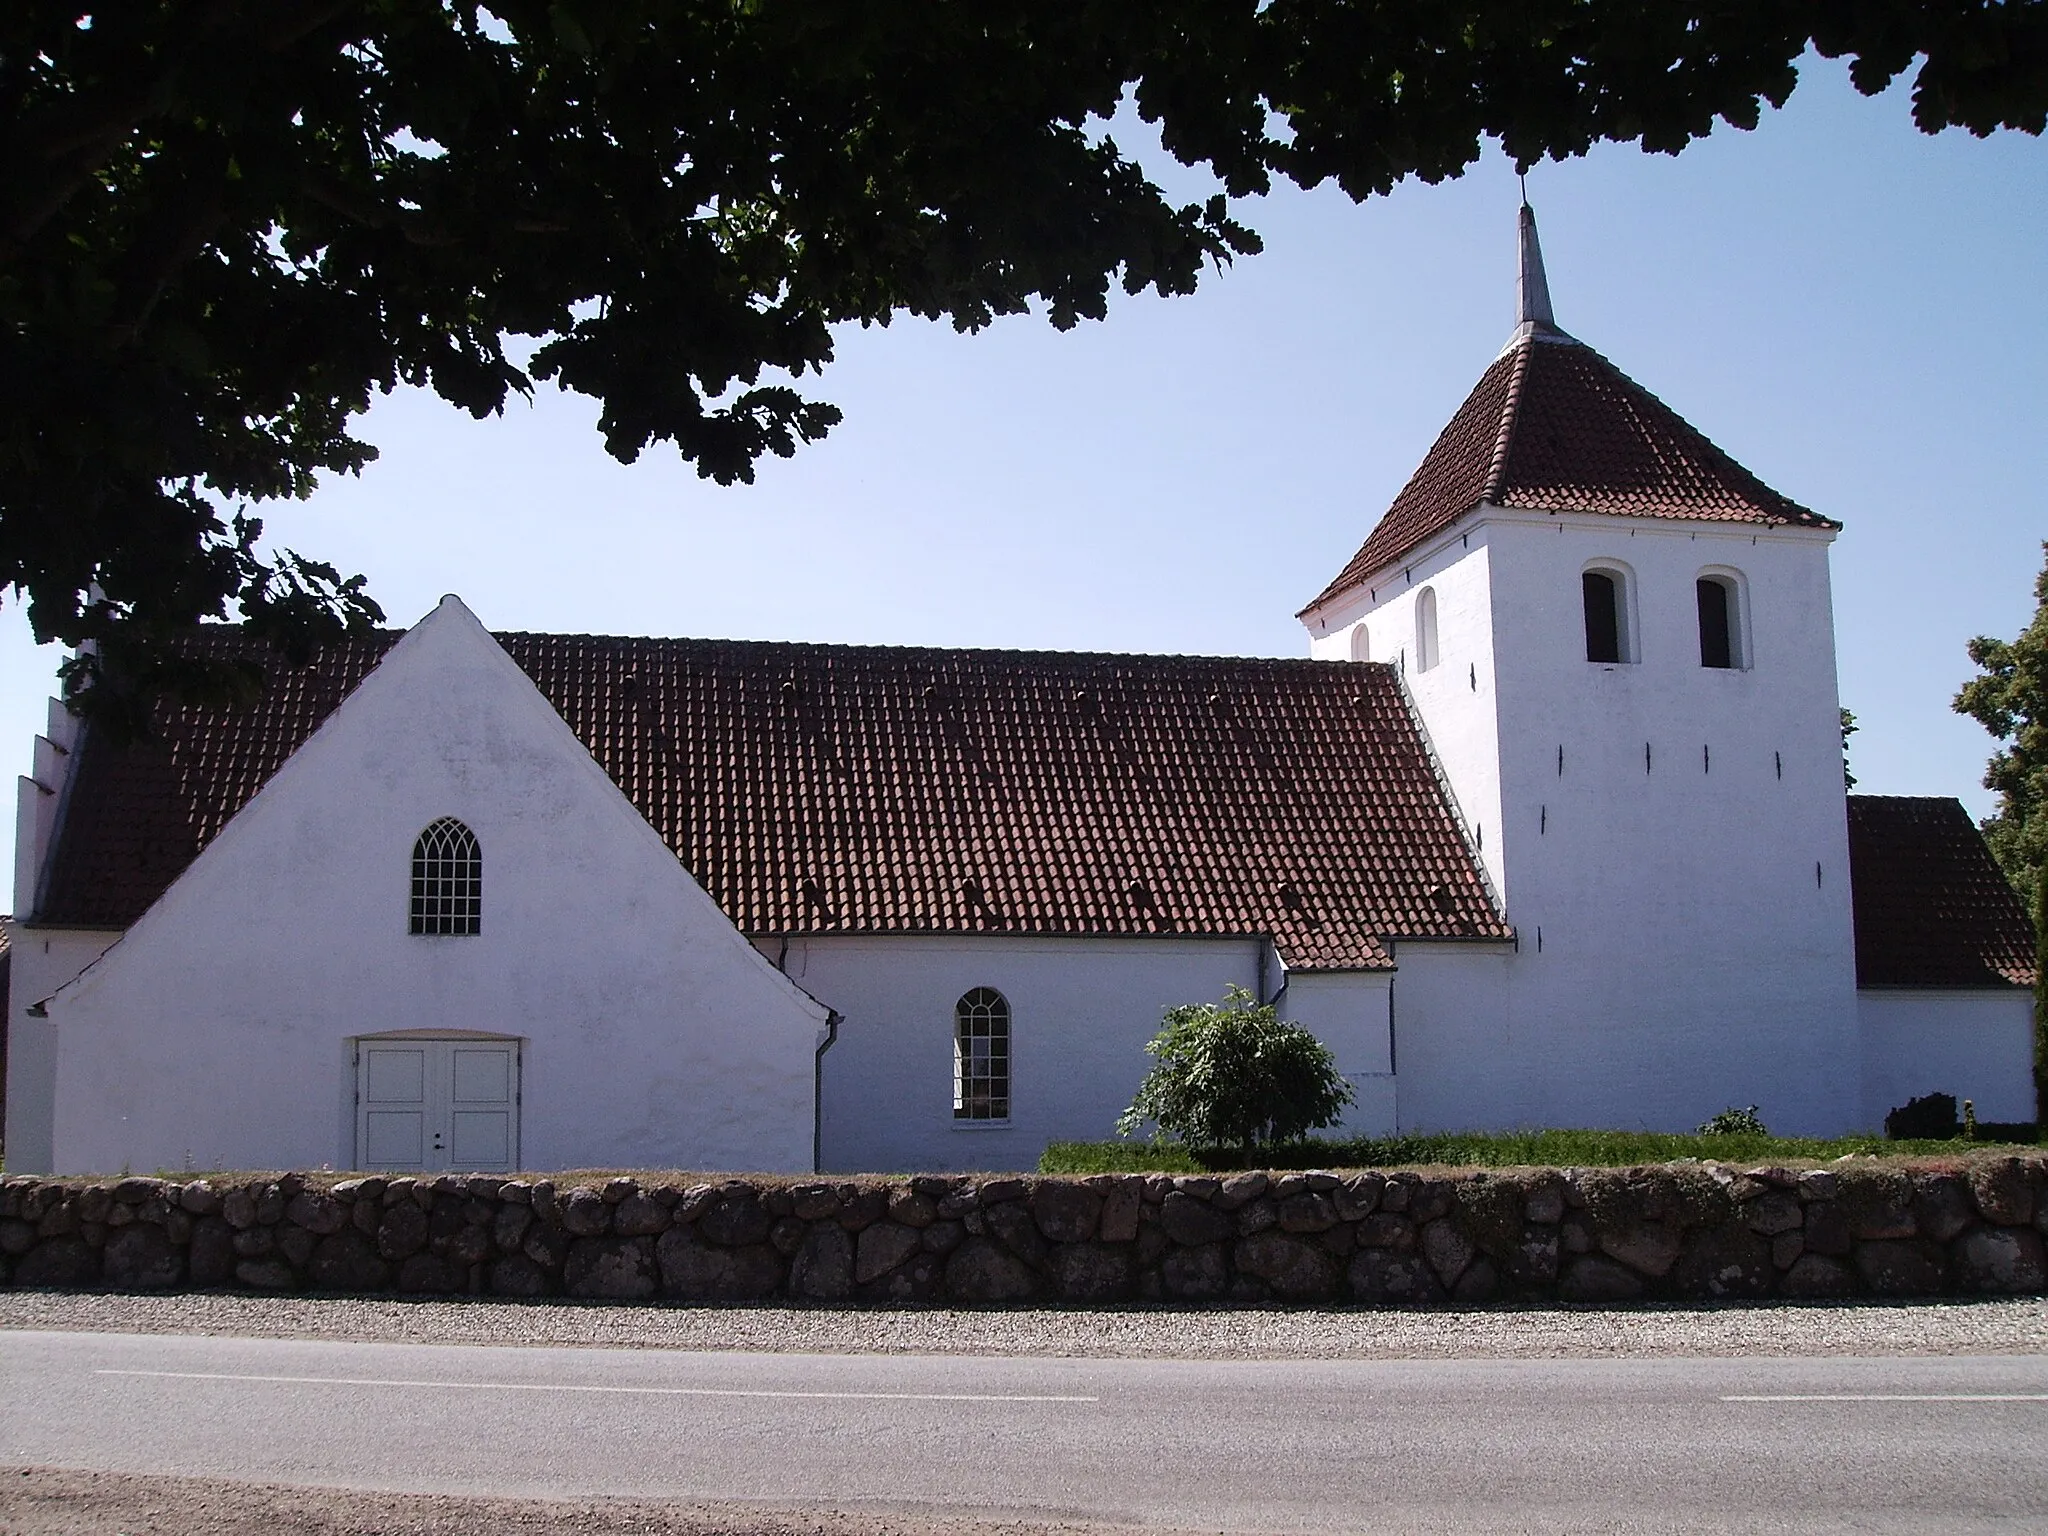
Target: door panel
pixel 437 1106
pixel 395 1074
pixel 394 1139
pixel 481 1108
pixel 483 1074
pixel 481 1141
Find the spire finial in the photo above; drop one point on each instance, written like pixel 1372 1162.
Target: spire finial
pixel 1534 294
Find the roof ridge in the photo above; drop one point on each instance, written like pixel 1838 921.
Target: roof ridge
pixel 240 632
pixel 1510 415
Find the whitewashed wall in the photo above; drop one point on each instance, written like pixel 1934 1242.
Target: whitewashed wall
pixel 43 960
pixel 1681 884
pixel 1456 1057
pixel 1081 1011
pixel 1456 696
pixel 1976 1043
pixel 1351 1013
pixel 217 1032
pixel 1678 877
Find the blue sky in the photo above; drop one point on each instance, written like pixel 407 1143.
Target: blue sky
pixel 1854 310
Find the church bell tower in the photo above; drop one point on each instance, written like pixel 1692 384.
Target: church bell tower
pixel 1620 645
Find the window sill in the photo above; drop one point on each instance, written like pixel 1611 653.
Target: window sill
pixel 981 1125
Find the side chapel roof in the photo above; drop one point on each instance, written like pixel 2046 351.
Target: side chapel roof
pixel 1552 426
pixel 867 789
pixel 1933 909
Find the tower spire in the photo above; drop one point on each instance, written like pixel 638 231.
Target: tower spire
pixel 1534 289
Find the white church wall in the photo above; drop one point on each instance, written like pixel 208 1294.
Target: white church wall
pixel 1675 834
pixel 217 1032
pixel 42 960
pixel 1453 1047
pixel 1351 1013
pixel 1975 1043
pixel 1455 696
pixel 1081 1011
pixel 1683 916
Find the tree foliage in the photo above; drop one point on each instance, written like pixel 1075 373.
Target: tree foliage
pixel 2041 997
pixel 225 225
pixel 2009 698
pixel 1230 1074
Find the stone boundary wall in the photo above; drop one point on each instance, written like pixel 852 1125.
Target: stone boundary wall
pixel 1671 1232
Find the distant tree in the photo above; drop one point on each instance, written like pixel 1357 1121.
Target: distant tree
pixel 1231 1074
pixel 2010 700
pixel 2041 997
pixel 1848 730
pixel 226 225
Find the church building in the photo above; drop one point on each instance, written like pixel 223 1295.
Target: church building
pixel 1550 829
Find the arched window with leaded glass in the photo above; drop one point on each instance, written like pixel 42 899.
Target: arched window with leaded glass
pixel 981 1056
pixel 447 880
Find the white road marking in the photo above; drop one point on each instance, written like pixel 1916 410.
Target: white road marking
pixel 1890 1397
pixel 541 1386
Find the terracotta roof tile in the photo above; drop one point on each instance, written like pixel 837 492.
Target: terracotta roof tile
pixel 1552 426
pixel 1932 907
pixel 847 789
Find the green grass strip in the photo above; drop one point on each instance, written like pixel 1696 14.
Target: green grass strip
pixel 1509 1149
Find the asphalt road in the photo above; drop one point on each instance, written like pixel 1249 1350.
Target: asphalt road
pixel 1274 1445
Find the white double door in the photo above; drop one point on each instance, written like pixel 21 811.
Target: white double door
pixel 437 1106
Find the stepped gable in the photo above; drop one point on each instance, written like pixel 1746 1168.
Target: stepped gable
pixel 860 789
pixel 1552 426
pixel 1933 909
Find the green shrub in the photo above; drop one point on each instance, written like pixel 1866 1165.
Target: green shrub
pixel 1932 1114
pixel 1732 1121
pixel 1232 1075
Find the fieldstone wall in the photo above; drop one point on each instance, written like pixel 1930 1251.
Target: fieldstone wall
pixel 1677 1231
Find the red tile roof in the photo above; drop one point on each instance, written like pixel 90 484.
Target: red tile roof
pixel 850 789
pixel 1553 426
pixel 1932 907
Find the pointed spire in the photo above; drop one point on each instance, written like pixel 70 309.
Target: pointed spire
pixel 1533 290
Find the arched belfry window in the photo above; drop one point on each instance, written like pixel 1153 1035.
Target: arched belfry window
pixel 1606 603
pixel 1720 604
pixel 447 879
pixel 981 1056
pixel 1425 629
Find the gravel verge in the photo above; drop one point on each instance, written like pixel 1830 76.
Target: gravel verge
pixel 1946 1327
pixel 56 1501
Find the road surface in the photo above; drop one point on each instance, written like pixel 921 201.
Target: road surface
pixel 1267 1445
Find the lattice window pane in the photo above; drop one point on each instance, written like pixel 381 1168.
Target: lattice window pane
pixel 447 879
pixel 981 1056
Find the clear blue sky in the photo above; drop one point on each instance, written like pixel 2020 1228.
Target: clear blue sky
pixel 1855 311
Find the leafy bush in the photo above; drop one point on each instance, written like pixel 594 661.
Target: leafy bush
pixel 1732 1121
pixel 1231 1074
pixel 2016 1132
pixel 1930 1116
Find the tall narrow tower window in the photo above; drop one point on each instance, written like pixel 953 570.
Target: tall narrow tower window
pixel 1718 636
pixel 1361 643
pixel 447 879
pixel 1425 629
pixel 1602 591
